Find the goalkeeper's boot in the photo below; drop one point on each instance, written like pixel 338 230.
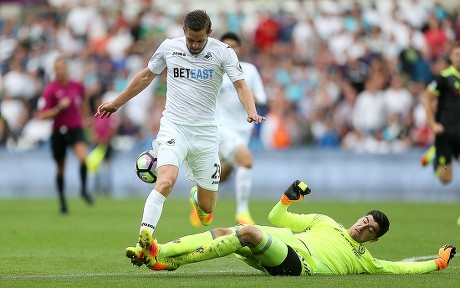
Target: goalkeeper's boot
pixel 204 217
pixel 150 248
pixel 245 218
pixel 445 253
pixel 428 156
pixel 135 254
pixel 164 264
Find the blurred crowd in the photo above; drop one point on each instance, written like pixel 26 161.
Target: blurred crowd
pixel 338 74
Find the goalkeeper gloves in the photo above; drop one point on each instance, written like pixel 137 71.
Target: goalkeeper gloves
pixel 295 192
pixel 445 253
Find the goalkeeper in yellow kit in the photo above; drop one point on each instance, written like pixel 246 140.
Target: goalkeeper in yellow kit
pixel 299 245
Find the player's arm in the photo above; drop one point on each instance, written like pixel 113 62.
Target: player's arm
pixel 280 217
pixel 429 98
pixel 140 81
pixel 247 100
pixel 47 108
pixel 445 254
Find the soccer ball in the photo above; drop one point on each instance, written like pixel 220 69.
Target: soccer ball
pixel 146 165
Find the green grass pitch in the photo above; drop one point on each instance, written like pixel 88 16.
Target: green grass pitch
pixel 41 248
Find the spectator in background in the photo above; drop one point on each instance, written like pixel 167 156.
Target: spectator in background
pixel 435 36
pixel 64 101
pixel 5 131
pixel 369 117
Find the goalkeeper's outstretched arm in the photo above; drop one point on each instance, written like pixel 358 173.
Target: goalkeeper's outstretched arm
pixel 445 254
pixel 279 216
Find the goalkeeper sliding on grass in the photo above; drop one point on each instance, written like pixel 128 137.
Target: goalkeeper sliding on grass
pixel 299 245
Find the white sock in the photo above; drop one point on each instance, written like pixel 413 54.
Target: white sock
pixel 243 185
pixel 152 210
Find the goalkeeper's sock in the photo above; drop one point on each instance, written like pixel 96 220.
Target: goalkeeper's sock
pixel 153 208
pixel 269 257
pixel 219 247
pixel 185 244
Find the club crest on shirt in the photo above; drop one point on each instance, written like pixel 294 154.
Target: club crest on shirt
pixel 208 56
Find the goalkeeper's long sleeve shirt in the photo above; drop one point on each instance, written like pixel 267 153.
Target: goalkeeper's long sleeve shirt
pixel 329 249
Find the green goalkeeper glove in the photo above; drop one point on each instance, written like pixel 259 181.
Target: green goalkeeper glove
pixel 445 253
pixel 295 192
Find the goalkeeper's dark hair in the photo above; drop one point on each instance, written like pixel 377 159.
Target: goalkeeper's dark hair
pixel 197 20
pixel 382 220
pixel 231 36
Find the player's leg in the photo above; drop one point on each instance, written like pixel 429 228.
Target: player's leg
pixel 203 166
pixel 58 149
pixel 243 184
pixel 225 170
pixel 81 151
pixel 428 156
pixel 221 246
pixel 203 203
pixel 171 149
pixel 443 159
pixel 457 156
pixel 190 243
pixel 145 249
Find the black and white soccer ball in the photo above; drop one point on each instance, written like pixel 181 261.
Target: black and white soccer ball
pixel 146 165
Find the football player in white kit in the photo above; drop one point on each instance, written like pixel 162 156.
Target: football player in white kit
pixel 235 133
pixel 195 66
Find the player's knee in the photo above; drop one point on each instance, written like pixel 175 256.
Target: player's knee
pixel 217 232
pixel 445 179
pixel 250 235
pixel 164 184
pixel 244 157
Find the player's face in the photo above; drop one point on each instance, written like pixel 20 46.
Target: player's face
pixel 232 43
pixel 455 57
pixel 365 229
pixel 196 40
pixel 60 68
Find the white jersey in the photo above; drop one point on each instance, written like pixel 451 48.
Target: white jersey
pixel 231 112
pixel 194 81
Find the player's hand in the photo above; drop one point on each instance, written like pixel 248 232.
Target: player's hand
pixel 437 128
pixel 445 253
pixel 256 118
pixel 106 109
pixel 64 103
pixel 295 192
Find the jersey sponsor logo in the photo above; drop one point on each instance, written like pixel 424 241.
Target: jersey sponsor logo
pixel 171 142
pixel 178 54
pixel 192 73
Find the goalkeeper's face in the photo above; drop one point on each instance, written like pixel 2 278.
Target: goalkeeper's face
pixel 364 230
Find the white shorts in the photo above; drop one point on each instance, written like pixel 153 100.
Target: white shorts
pixel 230 140
pixel 197 146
